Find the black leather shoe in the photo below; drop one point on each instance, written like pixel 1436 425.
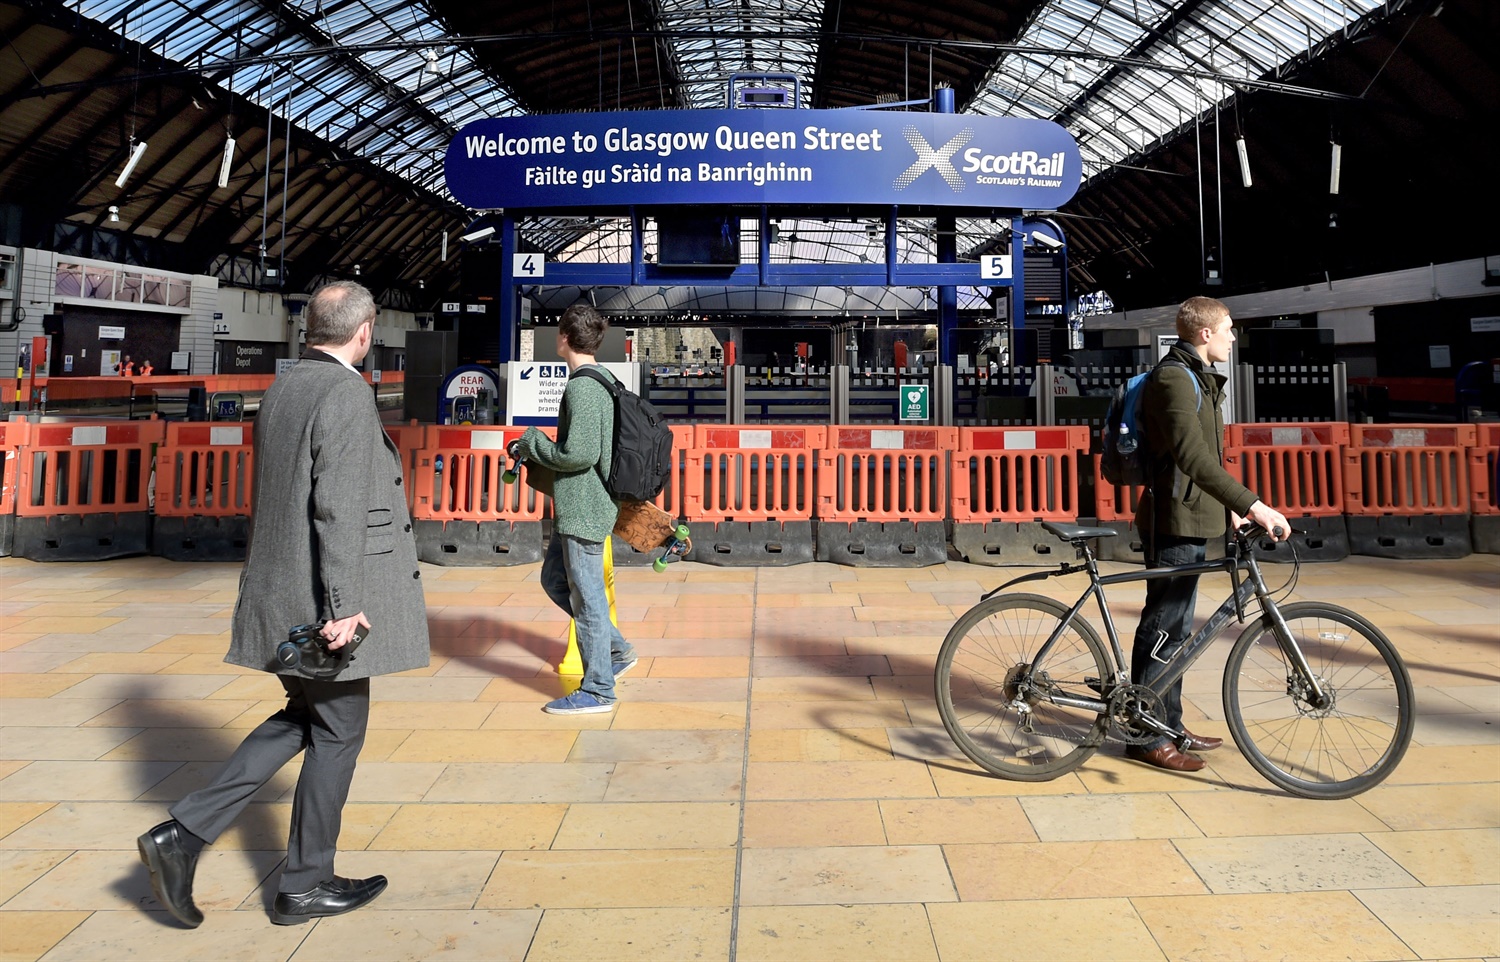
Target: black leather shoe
pixel 1166 756
pixel 1202 743
pixel 172 866
pixel 329 898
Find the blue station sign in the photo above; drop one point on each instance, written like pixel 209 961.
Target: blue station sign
pixel 763 157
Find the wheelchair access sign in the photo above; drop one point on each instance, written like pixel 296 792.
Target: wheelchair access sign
pixel 913 402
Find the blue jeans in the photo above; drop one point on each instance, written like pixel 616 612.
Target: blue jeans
pixel 573 577
pixel 1166 621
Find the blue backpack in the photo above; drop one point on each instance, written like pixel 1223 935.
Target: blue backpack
pixel 1125 459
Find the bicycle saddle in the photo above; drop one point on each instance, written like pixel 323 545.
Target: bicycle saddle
pixel 1077 532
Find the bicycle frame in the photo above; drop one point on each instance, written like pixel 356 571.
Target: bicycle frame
pixel 1253 586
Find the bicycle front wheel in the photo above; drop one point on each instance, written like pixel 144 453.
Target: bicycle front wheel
pixel 995 700
pixel 1342 747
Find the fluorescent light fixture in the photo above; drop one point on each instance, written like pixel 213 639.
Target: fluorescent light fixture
pixel 356 270
pixel 477 235
pixel 135 158
pixel 1334 163
pixel 227 163
pixel 1239 145
pixel 444 255
pixel 114 214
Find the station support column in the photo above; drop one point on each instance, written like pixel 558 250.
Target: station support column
pixel 947 253
pixel 509 297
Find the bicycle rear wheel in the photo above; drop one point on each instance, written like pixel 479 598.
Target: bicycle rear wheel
pixel 1342 748
pixel 994 701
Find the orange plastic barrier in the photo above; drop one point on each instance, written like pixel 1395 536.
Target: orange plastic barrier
pixel 84 467
pixel 753 484
pixel 1483 457
pixel 459 476
pixel 1405 469
pixel 781 437
pixel 884 474
pixel 1295 468
pixel 12 438
pixel 1018 474
pixel 204 470
pixel 1113 502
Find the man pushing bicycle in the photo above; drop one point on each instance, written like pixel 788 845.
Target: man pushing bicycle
pixel 1183 506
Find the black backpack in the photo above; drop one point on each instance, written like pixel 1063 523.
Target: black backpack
pixel 642 457
pixel 1124 458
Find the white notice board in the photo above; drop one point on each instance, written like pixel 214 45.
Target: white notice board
pixel 534 389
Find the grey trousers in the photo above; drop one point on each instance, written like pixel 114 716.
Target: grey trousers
pixel 327 719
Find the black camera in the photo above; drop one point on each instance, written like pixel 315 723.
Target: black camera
pixel 306 649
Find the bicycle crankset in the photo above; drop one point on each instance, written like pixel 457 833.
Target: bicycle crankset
pixel 1127 704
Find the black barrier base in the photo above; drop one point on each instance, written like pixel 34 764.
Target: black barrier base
pixel 478 544
pixel 1316 539
pixel 200 539
pixel 758 544
pixel 1009 543
pixel 1486 534
pixel 83 537
pixel 7 534
pixel 1421 536
pixel 882 544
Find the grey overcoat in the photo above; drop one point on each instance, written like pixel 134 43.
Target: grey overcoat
pixel 330 535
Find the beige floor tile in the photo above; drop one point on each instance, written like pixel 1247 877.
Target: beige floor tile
pixel 1403 808
pixel 829 780
pixel 1297 927
pixel 835 933
pixel 423 881
pixel 845 875
pixel 944 821
pixel 20 869
pixel 1070 870
pixel 65 624
pixel 1079 818
pixel 124 686
pixel 204 663
pixel 1044 931
pixel 454 827
pixel 232 936
pixel 77 826
pixel 1446 856
pixel 90 781
pixel 393 781
pixel 631 935
pixel 1458 763
pixel 611 879
pixel 1109 771
pixel 820 745
pixel 103 881
pixel 485 746
pixel 28 935
pixel 871 713
pixel 784 688
pixel 700 825
pixel 522 782
pixel 55 711
pixel 382 932
pixel 35 686
pixel 61 744
pixel 258 687
pixel 812 824
pixel 195 775
pixel 723 666
pixel 1442 922
pixel 1291 863
pixel 725 715
pixel 421 714
pixel 1219 814
pixel 524 716
pixel 965 780
pixel 661 746
pixel 164 713
pixel 264 827
pixel 674 781
pixel 15 814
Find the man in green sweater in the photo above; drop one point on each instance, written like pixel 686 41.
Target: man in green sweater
pixel 583 515
pixel 1183 506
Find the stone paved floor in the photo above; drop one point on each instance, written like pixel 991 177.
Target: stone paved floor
pixel 775 784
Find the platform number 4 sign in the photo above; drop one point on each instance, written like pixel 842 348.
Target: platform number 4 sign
pixel 530 265
pixel 914 402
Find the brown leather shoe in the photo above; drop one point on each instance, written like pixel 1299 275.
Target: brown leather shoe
pixel 1202 743
pixel 1166 756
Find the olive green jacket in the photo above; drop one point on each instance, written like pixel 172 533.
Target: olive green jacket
pixel 579 460
pixel 1189 487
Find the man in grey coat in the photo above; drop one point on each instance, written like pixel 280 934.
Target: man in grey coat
pixel 330 541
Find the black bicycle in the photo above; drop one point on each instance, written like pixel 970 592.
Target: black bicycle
pixel 1317 698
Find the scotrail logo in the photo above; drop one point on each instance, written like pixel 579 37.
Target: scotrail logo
pixel 940 159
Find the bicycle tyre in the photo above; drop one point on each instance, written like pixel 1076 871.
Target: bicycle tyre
pixel 982 652
pixel 1331 753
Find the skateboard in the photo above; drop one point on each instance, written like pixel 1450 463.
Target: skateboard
pixel 647 529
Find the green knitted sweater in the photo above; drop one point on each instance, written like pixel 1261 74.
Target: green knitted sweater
pixel 580 460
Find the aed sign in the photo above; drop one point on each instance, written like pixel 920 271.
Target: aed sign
pixel 913 403
pixel 762 157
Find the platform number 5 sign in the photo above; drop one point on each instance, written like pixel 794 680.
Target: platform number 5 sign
pixel 530 265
